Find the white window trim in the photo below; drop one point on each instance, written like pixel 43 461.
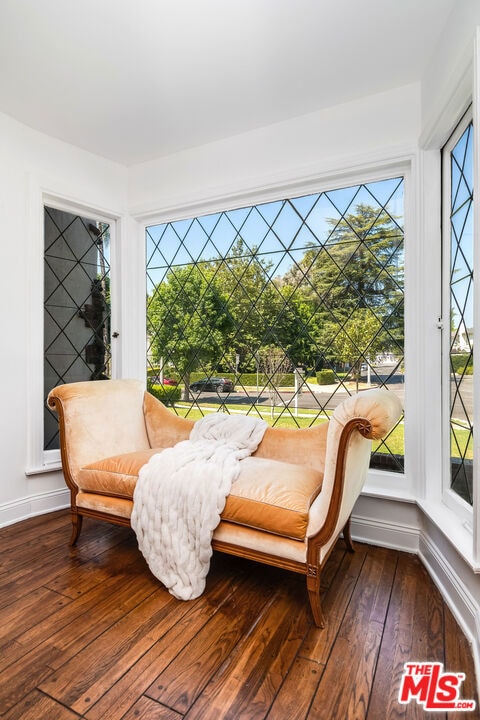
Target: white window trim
pixel 39 460
pixel 451 499
pixel 462 88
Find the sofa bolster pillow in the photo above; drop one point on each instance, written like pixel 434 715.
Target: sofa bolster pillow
pixel 273 496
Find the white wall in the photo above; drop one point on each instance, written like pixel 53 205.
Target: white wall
pixel 28 160
pixel 449 71
pixel 375 128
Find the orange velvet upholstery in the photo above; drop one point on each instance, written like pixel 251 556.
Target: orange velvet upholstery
pixel 116 475
pixel 273 496
pixel 290 503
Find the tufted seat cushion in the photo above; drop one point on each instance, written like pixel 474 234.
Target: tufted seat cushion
pixel 268 494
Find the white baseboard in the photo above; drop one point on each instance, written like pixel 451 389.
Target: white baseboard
pixel 33 505
pixel 375 531
pixel 462 601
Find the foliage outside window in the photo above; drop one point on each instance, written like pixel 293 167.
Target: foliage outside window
pixel 298 302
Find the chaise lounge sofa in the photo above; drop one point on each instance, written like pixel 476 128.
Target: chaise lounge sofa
pixel 293 497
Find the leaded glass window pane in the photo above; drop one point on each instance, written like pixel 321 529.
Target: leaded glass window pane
pixel 76 305
pixel 294 304
pixel 461 316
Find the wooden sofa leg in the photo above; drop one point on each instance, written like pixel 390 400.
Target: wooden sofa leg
pixel 347 537
pixel 77 521
pixel 313 589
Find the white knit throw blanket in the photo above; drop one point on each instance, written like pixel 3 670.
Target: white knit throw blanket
pixel 180 494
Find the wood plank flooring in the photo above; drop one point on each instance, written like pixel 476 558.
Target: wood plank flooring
pixel 89 633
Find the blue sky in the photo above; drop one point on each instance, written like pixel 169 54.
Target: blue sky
pixel 271 227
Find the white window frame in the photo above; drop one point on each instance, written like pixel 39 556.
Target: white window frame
pixel 451 499
pixel 39 460
pixel 461 529
pixel 380 483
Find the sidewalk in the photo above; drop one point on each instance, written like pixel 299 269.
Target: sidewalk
pixel 349 387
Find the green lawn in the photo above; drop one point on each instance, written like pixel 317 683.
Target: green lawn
pixel 303 420
pixel 394 442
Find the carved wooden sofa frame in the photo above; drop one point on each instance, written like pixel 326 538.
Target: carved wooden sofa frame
pixel 109 429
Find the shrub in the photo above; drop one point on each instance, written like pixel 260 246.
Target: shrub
pixel 250 379
pixel 167 394
pixel 245 379
pixel 326 377
pixel 459 364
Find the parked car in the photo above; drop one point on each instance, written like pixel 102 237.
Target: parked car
pixel 166 381
pixel 216 384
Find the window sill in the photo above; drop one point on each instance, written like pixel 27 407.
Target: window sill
pixel 42 469
pixel 458 532
pixel 388 486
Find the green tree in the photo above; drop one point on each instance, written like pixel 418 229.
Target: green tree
pixel 274 363
pixel 188 321
pixel 254 301
pixel 356 341
pixel 362 259
pixel 359 266
pixel 298 330
pixel 266 311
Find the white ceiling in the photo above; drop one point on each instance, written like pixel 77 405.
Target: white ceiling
pixel 132 80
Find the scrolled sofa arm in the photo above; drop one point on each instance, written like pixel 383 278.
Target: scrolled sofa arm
pixel 379 408
pixel 359 419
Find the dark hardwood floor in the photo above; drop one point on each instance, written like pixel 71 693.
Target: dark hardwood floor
pixel 89 632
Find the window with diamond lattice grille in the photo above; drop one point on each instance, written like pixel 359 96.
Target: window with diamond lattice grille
pixel 460 161
pixel 295 303
pixel 76 305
